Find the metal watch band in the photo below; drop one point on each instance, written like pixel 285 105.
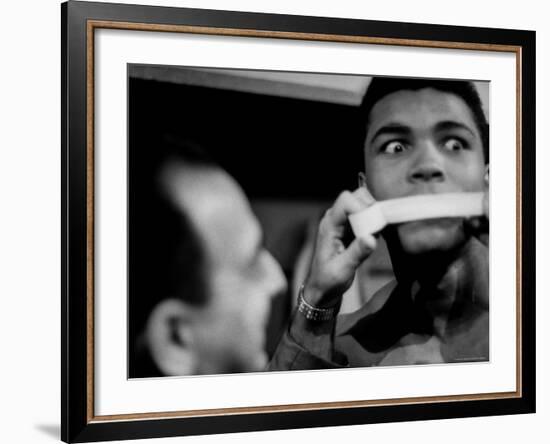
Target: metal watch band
pixel 314 313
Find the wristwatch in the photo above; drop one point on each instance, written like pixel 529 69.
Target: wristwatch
pixel 314 313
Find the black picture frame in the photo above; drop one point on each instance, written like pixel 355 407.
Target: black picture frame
pixel 78 19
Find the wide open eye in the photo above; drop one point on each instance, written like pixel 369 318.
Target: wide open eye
pixel 394 147
pixel 454 144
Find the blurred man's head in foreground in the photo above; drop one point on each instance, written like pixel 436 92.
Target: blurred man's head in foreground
pixel 201 280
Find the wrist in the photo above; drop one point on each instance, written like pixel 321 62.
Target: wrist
pixel 319 297
pixel 311 307
pixel 314 335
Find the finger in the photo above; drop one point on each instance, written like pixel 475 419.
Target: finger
pixel 364 195
pixel 358 251
pixel 486 204
pixel 473 224
pixel 346 203
pixel 476 226
pixel 484 238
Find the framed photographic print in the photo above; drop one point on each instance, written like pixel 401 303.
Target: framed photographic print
pixel 277 221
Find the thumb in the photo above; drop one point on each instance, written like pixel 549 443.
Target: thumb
pixel 486 204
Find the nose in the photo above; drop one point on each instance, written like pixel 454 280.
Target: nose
pixel 427 173
pixel 427 165
pixel 276 277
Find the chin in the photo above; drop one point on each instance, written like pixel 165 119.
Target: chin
pixel 252 363
pixel 427 236
pixel 260 362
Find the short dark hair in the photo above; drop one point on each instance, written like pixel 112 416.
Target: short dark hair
pixel 383 86
pixel 166 257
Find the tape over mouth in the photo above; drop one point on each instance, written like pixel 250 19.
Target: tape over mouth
pixel 409 209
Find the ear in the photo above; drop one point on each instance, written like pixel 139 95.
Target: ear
pixel 361 179
pixel 486 177
pixel 169 336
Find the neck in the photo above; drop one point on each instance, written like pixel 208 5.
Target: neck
pixel 447 284
pixel 427 269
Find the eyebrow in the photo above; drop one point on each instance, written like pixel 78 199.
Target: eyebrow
pixel 396 128
pixel 447 125
pixel 391 128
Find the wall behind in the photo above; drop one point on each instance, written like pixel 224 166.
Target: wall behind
pixel 30 219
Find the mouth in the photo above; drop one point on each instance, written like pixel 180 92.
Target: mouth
pixel 431 235
pixel 441 222
pixel 431 231
pixel 429 189
pixel 442 209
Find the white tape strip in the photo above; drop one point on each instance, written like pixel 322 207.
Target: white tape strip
pixel 408 209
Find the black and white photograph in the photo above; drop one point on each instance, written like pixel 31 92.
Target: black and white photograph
pixel 232 221
pixel 285 220
pixel 279 222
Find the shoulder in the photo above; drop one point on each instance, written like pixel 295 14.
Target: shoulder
pixel 346 321
pixel 346 343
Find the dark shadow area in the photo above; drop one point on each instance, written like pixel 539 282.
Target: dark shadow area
pixel 291 156
pixel 276 148
pixel 51 430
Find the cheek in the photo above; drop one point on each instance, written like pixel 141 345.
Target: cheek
pixel 255 315
pixel 468 176
pixel 385 181
pixel 243 303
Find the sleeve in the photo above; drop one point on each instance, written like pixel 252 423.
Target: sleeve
pixel 290 355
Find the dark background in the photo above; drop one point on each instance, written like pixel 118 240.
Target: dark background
pixel 275 147
pixel 292 157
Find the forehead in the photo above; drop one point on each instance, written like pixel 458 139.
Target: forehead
pixel 420 109
pixel 219 211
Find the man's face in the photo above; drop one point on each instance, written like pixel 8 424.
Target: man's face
pixel 241 276
pixel 422 142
